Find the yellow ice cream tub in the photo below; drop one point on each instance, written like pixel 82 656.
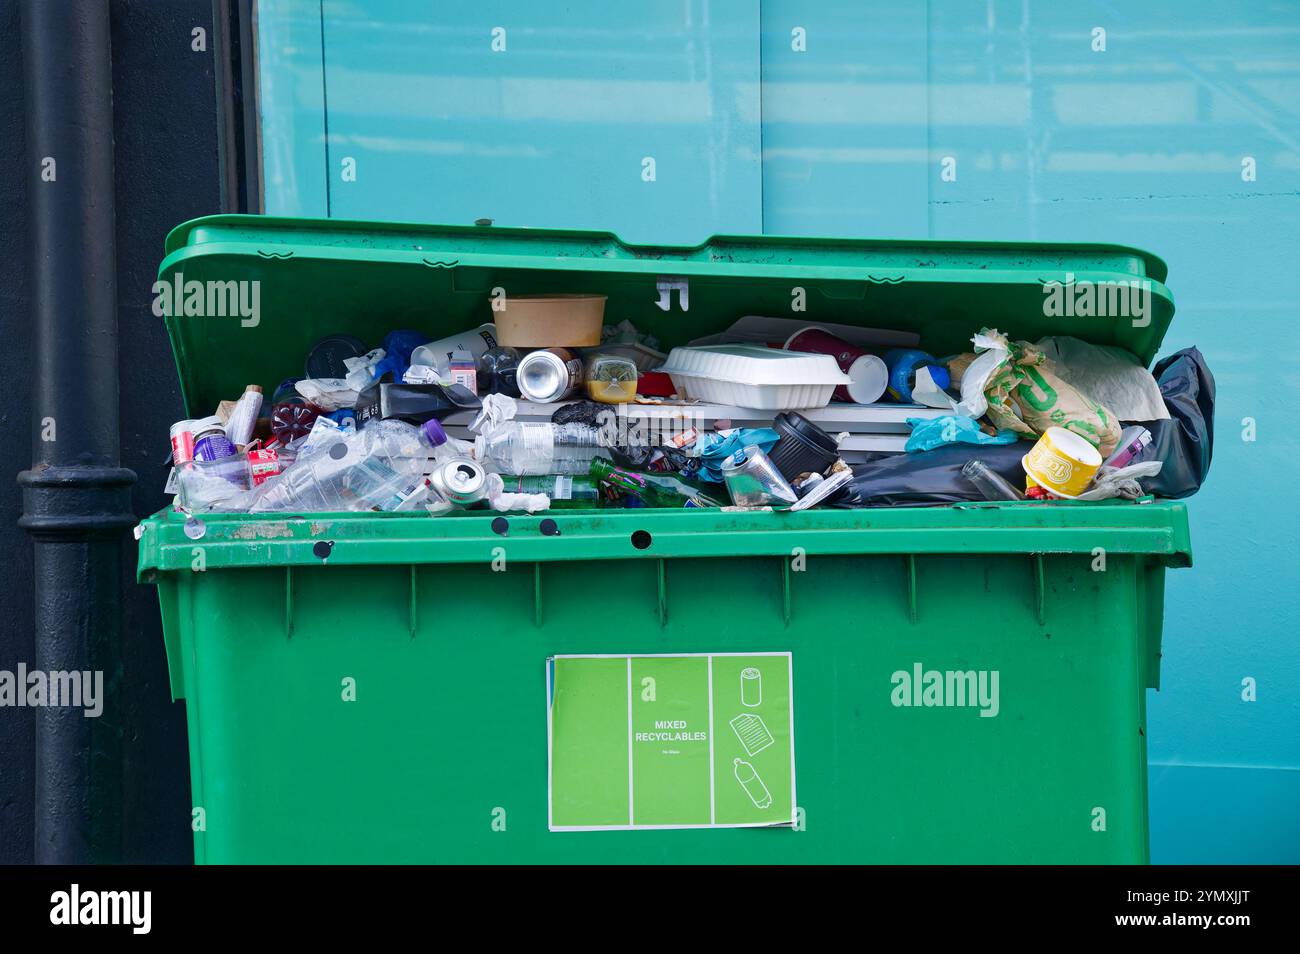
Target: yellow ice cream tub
pixel 1062 462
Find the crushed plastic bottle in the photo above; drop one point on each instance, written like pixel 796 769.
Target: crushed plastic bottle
pixel 336 469
pixel 532 449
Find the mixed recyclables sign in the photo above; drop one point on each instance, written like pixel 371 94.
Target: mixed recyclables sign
pixel 694 740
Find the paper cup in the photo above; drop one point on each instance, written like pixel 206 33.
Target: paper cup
pixel 1062 462
pixel 867 373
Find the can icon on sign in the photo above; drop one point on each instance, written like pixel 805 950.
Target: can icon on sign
pixel 751 687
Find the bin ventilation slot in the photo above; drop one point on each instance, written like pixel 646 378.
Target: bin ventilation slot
pixel 415 607
pixel 641 539
pixel 885 279
pixel 281 256
pixel 785 590
pixel 537 595
pixel 911 587
pixel 288 601
pixel 663 593
pixel 1040 595
pixel 436 264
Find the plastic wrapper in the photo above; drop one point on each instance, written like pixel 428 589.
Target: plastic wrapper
pixel 1121 481
pixel 328 394
pixel 1026 395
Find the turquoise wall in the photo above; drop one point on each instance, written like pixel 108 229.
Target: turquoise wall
pixel 1143 142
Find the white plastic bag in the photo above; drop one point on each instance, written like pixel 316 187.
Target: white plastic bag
pixel 991 353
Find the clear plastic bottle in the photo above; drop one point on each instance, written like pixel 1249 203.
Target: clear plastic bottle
pixel 222 484
pixel 989 482
pixel 371 469
pixel 531 449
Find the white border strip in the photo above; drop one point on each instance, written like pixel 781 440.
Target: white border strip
pixel 550 766
pixel 794 802
pixel 658 655
pixel 631 788
pixel 713 813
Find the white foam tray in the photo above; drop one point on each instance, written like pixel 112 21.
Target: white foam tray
pixel 754 376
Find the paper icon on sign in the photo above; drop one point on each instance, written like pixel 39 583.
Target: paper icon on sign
pixel 752 732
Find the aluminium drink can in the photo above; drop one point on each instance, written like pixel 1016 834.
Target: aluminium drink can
pixel 182 435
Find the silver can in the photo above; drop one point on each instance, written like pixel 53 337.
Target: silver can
pixel 460 481
pixel 549 375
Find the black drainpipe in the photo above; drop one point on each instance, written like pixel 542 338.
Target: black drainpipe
pixel 76 499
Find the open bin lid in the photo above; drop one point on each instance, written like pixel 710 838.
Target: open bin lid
pixel 324 276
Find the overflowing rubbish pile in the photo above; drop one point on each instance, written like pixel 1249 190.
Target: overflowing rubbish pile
pixel 548 407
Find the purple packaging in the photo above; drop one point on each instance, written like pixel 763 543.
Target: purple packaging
pixel 213 447
pixel 210 441
pixel 1129 450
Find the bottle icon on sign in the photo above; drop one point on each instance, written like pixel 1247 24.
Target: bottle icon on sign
pixel 752 784
pixel 751 687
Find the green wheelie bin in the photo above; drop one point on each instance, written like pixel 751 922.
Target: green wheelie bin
pixel 960 683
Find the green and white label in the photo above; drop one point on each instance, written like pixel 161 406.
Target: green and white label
pixel 670 741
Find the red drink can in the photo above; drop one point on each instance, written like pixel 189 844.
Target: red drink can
pixel 182 442
pixel 263 464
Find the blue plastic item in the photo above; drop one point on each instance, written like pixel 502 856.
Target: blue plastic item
pixel 903 364
pixel 716 448
pixel 951 429
pixel 398 346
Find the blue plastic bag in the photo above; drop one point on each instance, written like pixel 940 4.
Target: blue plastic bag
pixel 398 346
pixel 716 448
pixel 951 429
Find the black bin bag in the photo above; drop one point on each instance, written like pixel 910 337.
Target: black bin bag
pixel 1185 442
pixel 930 477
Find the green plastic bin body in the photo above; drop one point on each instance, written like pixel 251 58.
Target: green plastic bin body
pixel 439 629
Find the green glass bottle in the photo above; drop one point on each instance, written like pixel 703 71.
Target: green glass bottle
pixel 566 492
pixel 654 489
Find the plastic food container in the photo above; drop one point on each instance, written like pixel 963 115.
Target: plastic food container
pixel 548 321
pixel 643 357
pixel 611 378
pixel 753 376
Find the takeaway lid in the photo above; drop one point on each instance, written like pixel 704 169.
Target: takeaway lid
pixel 244 297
